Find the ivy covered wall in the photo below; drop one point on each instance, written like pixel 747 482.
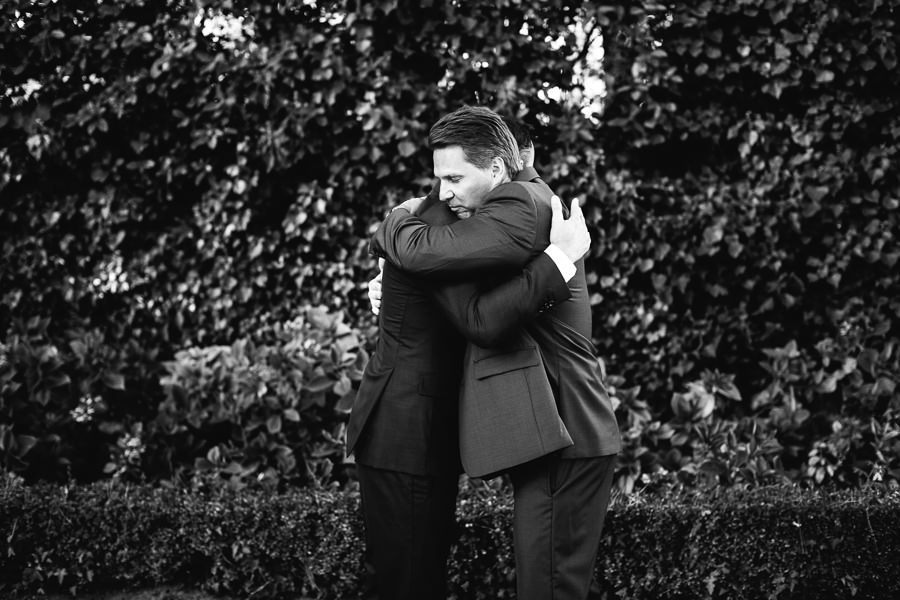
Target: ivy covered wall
pixel 179 175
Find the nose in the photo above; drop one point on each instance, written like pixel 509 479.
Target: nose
pixel 446 194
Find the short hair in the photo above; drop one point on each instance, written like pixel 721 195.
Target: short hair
pixel 520 132
pixel 481 134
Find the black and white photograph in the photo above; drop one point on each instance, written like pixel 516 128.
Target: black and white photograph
pixel 449 300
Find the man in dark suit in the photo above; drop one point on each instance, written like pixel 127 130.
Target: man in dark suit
pixel 403 426
pixel 561 496
pixel 402 432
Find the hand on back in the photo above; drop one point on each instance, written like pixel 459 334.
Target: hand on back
pixel 570 235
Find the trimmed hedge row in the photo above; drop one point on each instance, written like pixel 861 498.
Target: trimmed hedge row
pixel 769 543
pixel 766 543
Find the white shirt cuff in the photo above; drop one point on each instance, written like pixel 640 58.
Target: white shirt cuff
pixel 566 267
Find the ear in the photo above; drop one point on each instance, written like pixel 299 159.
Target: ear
pixel 498 169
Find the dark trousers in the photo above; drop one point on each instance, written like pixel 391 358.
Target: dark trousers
pixel 560 506
pixel 410 522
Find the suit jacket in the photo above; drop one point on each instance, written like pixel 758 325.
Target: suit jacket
pixel 507 413
pixel 404 417
pixel 507 231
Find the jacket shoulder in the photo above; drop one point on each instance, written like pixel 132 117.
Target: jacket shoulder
pixel 512 189
pixel 521 193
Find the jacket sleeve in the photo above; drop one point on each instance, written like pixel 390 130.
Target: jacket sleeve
pixel 487 318
pixel 499 235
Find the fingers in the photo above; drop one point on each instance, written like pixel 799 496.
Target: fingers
pixel 375 300
pixel 375 294
pixel 575 209
pixel 575 212
pixel 380 266
pixel 556 207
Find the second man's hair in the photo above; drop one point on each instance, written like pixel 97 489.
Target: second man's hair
pixel 520 132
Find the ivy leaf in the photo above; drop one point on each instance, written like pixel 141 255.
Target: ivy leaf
pixel 343 386
pixel 867 360
pixel 113 381
pixel 320 384
pixel 345 403
pixel 58 380
pixel 816 193
pixel 713 234
pixel 884 386
pixel 273 424
pixel 24 443
pixel 730 391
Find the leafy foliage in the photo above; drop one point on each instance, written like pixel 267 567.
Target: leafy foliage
pixel 179 176
pixel 264 414
pixel 62 402
pixel 748 225
pixel 772 543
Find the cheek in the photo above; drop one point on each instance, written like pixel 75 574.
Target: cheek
pixel 469 194
pixel 478 192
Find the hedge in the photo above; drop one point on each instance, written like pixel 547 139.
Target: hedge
pixel 771 543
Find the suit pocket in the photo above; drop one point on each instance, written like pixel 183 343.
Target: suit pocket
pixel 510 360
pixel 371 388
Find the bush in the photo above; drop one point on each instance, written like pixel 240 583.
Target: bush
pixel 270 411
pixel 769 543
pixel 181 174
pixel 64 409
pixel 108 536
pixel 773 543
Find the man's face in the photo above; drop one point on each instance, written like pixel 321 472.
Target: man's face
pixel 527 155
pixel 463 185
